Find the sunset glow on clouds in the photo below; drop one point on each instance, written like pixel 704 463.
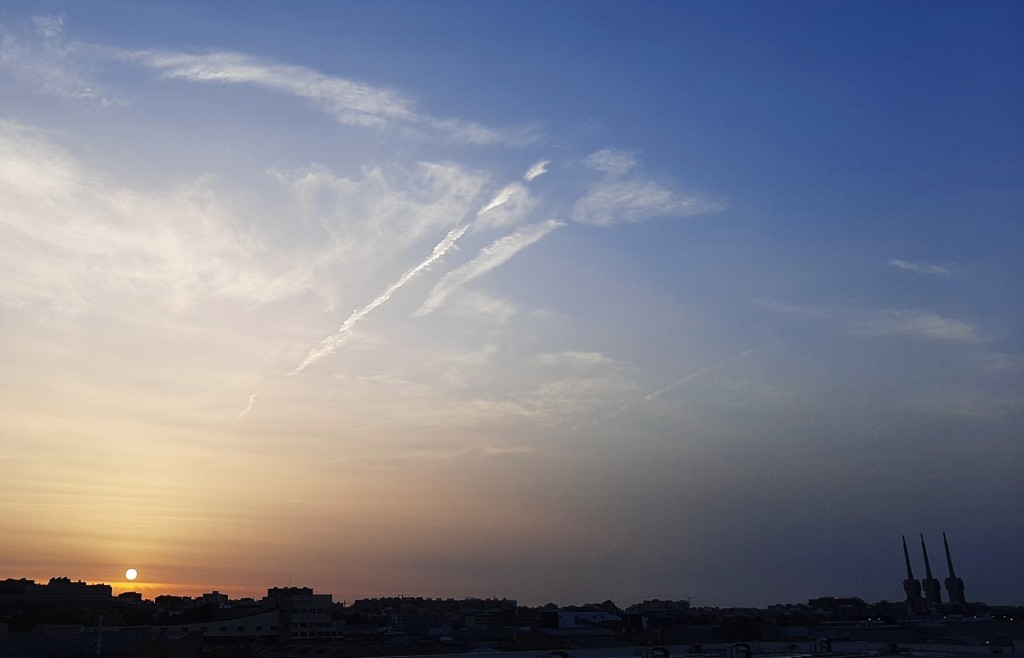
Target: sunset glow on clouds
pixel 376 307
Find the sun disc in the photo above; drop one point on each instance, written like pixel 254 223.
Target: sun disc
pixel 131 574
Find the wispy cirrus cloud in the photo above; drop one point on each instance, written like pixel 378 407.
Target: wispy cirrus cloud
pixel 921 268
pixel 44 59
pixel 913 323
pixel 478 305
pixel 920 324
pixel 490 257
pixel 348 101
pixel 70 238
pixel 622 199
pixel 537 170
pixel 366 220
pixel 612 162
pixel 574 358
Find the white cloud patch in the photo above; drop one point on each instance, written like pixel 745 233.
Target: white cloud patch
pixel 490 257
pixel 536 171
pixel 919 324
pixel 68 237
pixel 921 268
pixel 621 199
pixel 556 401
pixel 618 202
pixel 383 212
pixel 476 305
pixel 614 163
pixel 913 323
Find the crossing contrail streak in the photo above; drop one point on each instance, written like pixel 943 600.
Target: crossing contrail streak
pixel 490 257
pixel 331 343
pixel 654 395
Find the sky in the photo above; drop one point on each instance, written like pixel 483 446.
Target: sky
pixel 549 301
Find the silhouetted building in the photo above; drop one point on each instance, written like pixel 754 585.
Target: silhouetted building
pixel 64 590
pixel 954 586
pixel 303 614
pixel 215 598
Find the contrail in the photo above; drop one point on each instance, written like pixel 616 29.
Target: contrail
pixel 248 407
pixel 331 343
pixel 499 199
pixel 654 395
pixel 490 257
pixel 537 170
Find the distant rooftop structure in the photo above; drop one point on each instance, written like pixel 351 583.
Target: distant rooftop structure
pixel 61 589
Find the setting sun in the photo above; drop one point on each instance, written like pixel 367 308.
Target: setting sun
pixel 131 574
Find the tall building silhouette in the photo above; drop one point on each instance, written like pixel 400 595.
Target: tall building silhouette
pixel 954 585
pixel 930 584
pixel 911 585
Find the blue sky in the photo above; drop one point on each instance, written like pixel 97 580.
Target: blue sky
pixel 558 302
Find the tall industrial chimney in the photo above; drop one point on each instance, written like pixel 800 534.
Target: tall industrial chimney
pixel 954 585
pixel 930 584
pixel 911 585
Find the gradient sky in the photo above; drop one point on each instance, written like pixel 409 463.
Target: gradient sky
pixel 554 301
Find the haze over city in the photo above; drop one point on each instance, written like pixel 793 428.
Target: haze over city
pixel 554 301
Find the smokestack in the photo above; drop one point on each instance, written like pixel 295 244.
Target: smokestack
pixel 911 585
pixel 927 566
pixel 949 560
pixel 930 584
pixel 954 585
pixel 906 556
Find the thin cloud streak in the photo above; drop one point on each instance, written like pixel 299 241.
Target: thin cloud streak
pixel 332 342
pixel 920 268
pixel 912 323
pixel 627 202
pixel 657 393
pixel 500 199
pixel 349 102
pixel 920 324
pixel 610 161
pixel 619 199
pixel 676 384
pixel 490 257
pixel 248 407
